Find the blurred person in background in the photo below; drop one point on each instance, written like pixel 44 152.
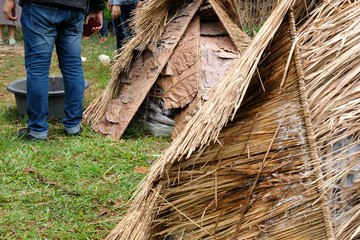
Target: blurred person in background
pixel 10 24
pixel 104 33
pixel 121 12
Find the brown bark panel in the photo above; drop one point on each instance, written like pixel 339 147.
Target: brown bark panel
pixel 218 54
pixel 181 73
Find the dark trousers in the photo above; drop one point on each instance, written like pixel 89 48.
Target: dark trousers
pixel 121 24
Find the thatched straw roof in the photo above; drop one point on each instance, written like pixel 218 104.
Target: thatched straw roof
pixel 274 152
pixel 146 59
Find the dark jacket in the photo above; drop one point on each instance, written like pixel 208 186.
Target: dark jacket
pixel 93 5
pixel 123 2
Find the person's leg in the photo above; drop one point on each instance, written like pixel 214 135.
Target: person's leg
pixel 68 48
pixel 118 32
pixel 127 12
pixel 12 29
pixel 104 30
pixel 2 33
pixel 39 37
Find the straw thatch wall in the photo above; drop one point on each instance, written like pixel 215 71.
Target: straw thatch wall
pixel 255 179
pixel 273 154
pixel 330 51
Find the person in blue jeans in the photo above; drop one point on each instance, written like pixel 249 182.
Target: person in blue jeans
pixel 47 23
pixel 121 12
pixel 104 31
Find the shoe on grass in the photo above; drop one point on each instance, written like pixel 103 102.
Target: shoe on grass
pixel 25 133
pixel 12 41
pixel 78 133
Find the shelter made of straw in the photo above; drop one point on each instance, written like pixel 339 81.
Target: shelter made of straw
pixel 191 55
pixel 274 152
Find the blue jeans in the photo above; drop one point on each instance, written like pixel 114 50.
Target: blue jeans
pixel 121 24
pixel 104 29
pixel 44 26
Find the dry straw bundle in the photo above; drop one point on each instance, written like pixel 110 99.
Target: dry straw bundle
pixel 330 52
pixel 273 154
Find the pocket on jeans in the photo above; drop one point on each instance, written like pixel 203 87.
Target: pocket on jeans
pixel 80 22
pixel 42 18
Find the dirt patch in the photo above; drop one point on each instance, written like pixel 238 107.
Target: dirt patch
pixel 6 50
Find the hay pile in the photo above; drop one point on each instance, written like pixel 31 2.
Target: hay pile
pixel 274 152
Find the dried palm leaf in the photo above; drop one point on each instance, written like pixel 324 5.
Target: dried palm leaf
pixel 218 54
pixel 180 76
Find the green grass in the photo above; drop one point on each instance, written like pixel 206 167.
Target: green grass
pixel 252 31
pixel 66 187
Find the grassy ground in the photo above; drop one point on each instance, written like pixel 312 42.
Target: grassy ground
pixel 66 187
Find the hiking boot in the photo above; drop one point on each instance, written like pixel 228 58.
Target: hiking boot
pixel 25 133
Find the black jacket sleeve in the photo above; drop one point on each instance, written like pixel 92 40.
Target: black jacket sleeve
pixel 97 5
